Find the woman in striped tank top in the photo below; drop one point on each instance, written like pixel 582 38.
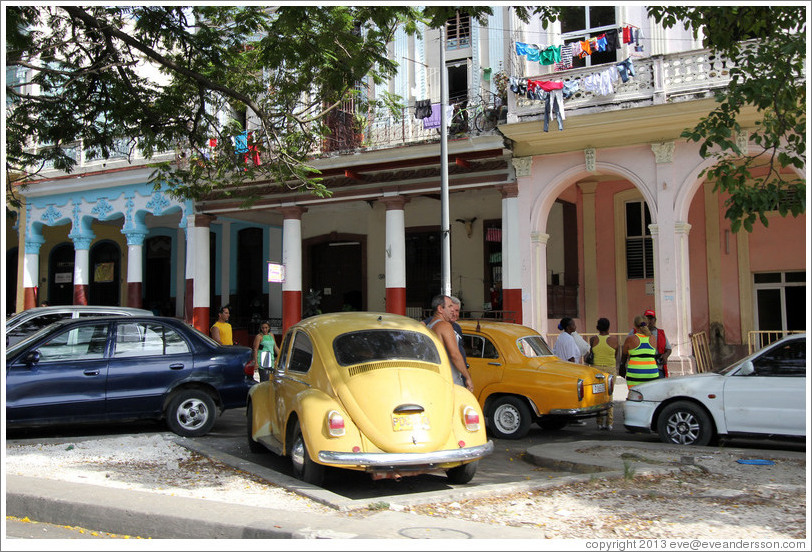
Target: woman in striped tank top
pixel 638 355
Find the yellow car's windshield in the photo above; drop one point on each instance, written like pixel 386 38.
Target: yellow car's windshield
pixel 376 345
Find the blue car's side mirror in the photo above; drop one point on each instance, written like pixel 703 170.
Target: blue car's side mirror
pixel 32 358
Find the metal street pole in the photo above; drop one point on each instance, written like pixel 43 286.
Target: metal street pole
pixel 445 231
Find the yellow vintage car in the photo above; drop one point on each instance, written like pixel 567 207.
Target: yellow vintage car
pixel 518 380
pixel 366 391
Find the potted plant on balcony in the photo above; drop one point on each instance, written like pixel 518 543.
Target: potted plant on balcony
pixel 500 80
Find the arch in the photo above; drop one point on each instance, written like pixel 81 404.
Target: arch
pixel 542 204
pixel 105 274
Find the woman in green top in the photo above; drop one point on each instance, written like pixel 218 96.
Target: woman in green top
pixel 265 342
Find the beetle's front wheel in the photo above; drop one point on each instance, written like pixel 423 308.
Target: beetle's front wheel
pixel 304 467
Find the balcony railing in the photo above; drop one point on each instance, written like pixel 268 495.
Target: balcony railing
pixel 657 80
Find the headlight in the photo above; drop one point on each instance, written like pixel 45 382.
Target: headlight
pixel 634 395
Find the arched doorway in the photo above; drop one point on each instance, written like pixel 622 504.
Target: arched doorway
pixel 60 275
pixel 158 275
pixel 11 280
pixel 105 274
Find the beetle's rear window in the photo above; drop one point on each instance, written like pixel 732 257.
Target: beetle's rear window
pixel 376 345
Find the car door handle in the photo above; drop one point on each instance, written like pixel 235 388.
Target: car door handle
pixel 91 372
pixel 494 364
pixel 177 366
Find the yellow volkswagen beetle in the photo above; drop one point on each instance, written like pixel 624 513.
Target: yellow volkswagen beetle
pixel 518 380
pixel 366 391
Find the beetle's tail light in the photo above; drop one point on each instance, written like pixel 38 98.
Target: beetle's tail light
pixel 580 388
pixel 335 424
pixel 470 417
pixel 611 385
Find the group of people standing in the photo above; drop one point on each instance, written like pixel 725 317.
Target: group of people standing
pixel 641 357
pixel 265 347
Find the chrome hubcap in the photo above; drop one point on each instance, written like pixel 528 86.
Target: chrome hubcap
pixel 683 428
pixel 507 419
pixel 192 413
pixel 297 455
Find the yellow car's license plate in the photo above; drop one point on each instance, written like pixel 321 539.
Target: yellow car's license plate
pixel 598 388
pixel 408 422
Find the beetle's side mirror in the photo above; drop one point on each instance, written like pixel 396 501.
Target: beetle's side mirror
pixel 32 358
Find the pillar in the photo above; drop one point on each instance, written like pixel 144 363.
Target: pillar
pixel 538 242
pixel 33 242
pixel 197 272
pixel 292 260
pixel 511 257
pixel 135 268
pixel 81 268
pixel 395 261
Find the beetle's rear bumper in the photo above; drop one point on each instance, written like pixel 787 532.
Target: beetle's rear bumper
pixel 392 459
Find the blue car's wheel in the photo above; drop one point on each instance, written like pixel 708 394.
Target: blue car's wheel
pixel 191 413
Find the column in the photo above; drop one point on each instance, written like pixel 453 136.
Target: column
pixel 225 262
pixel 395 262
pixel 292 260
pixel 197 312
pixel 671 263
pixel 511 258
pixel 590 284
pixel 81 268
pixel 33 242
pixel 539 281
pixel 135 268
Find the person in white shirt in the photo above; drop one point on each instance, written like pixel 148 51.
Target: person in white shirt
pixel 565 347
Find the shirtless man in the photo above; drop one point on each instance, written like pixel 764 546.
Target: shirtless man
pixel 440 322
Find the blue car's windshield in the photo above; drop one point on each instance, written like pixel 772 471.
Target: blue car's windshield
pixel 376 345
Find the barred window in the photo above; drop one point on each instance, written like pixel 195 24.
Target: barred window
pixel 458 31
pixel 639 248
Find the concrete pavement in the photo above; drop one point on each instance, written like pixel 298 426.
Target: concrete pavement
pixel 145 514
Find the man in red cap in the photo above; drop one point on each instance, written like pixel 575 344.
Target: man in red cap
pixel 663 346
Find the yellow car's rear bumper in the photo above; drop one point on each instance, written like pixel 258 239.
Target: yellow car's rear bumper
pixel 390 459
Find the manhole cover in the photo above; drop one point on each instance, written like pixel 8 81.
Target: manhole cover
pixel 433 533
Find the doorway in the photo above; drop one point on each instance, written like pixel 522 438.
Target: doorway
pixel 60 274
pixel 158 276
pixel 337 272
pixel 105 274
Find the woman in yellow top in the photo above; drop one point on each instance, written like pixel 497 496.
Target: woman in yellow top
pixel 638 355
pixel 605 349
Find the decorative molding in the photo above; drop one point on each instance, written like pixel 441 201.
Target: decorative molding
pixel 682 228
pixel 158 204
pixel 102 208
pixel 663 152
pixel 588 186
pixel 590 159
pixel 51 215
pixel 394 203
pixel 743 142
pixel 32 244
pixel 81 242
pixel 135 238
pixel 540 238
pixel 522 166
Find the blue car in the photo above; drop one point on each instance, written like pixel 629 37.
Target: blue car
pixel 124 368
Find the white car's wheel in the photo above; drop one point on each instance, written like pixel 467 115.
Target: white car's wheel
pixel 684 423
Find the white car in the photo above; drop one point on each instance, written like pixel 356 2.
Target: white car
pixel 761 395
